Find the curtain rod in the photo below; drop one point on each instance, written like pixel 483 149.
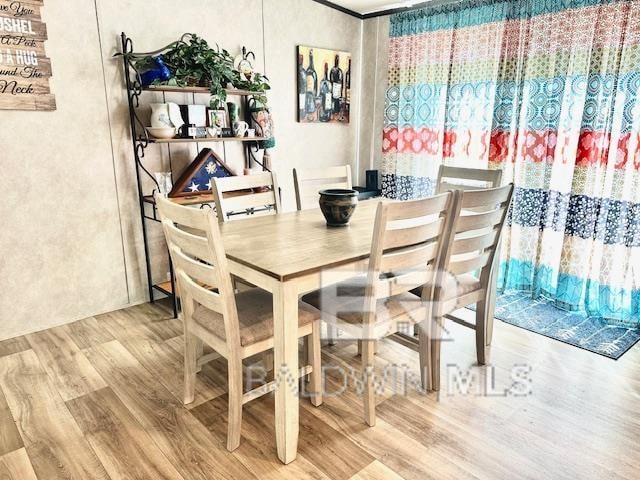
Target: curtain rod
pixel 382 13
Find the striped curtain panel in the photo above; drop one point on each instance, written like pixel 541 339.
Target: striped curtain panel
pixel 548 91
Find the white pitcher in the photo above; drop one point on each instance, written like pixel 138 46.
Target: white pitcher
pixel 166 115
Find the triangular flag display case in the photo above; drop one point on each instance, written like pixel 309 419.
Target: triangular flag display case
pixel 196 178
pixel 193 187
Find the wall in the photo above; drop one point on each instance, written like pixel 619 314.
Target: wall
pixel 61 255
pixel 375 59
pixel 71 246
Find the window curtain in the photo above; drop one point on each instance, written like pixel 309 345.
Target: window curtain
pixel 548 91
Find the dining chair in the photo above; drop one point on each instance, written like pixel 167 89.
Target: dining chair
pixel 408 239
pixel 308 182
pixel 246 195
pixel 478 220
pixel 459 178
pixel 235 326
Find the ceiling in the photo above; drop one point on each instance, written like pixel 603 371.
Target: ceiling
pixel 369 6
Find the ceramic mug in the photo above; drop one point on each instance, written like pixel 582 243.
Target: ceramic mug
pixel 240 128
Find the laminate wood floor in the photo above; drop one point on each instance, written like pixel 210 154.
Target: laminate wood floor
pixel 100 399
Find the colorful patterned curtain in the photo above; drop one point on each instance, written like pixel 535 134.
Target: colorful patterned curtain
pixel 548 91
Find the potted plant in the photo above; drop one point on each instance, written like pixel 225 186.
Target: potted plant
pixel 193 62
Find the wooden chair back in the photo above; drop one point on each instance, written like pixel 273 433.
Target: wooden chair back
pixel 308 182
pixel 408 240
pixel 458 178
pixel 479 217
pixel 200 263
pixel 267 195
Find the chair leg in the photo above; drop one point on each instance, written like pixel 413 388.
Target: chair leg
pixel 267 360
pixel 490 311
pixel 481 339
pixel 199 353
pixel 331 334
pixel 436 344
pixel 315 360
pixel 375 347
pixel 235 404
pixel 368 360
pixel 306 351
pixel 424 350
pixel 190 365
pixel 491 299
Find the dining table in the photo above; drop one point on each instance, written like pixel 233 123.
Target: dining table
pixel 289 255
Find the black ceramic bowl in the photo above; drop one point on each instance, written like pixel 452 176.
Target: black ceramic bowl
pixel 337 205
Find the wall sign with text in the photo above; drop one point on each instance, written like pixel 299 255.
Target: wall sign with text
pixel 24 67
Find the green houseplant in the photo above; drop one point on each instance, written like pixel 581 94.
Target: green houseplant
pixel 194 63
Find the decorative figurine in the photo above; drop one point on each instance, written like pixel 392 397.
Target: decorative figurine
pixel 242 64
pixel 161 72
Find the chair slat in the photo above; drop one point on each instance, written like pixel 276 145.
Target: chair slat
pixel 198 271
pixel 255 200
pixel 479 221
pixel 445 186
pixel 475 243
pixel 478 198
pixel 308 182
pixel 416 208
pixel 415 257
pixel 469 264
pixel 244 182
pixel 187 216
pixel 388 287
pixel 412 235
pixel 493 177
pixel 192 245
pixel 309 174
pixel 199 294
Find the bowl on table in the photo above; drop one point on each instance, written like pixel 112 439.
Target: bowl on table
pixel 162 132
pixel 337 205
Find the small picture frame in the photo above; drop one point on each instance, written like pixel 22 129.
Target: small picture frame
pixel 218 118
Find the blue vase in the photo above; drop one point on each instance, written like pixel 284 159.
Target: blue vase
pixel 161 72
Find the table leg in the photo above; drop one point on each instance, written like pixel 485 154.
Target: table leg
pixel 285 346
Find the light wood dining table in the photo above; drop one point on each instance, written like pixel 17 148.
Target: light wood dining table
pixel 291 254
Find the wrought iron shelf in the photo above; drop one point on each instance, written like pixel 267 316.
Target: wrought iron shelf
pixel 165 287
pixel 204 139
pixel 141 140
pixel 203 90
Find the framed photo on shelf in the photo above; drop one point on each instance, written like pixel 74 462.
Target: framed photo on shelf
pixel 218 118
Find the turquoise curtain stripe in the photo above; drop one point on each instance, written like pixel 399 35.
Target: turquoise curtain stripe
pixel 493 100
pixel 469 13
pixel 615 303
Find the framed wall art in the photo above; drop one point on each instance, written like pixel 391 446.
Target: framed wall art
pixel 324 85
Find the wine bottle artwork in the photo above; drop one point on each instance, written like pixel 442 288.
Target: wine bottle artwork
pixel 347 88
pixel 312 87
pixel 323 85
pixel 302 88
pixel 326 105
pixel 336 82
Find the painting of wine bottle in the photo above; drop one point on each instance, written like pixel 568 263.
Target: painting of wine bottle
pixel 324 85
